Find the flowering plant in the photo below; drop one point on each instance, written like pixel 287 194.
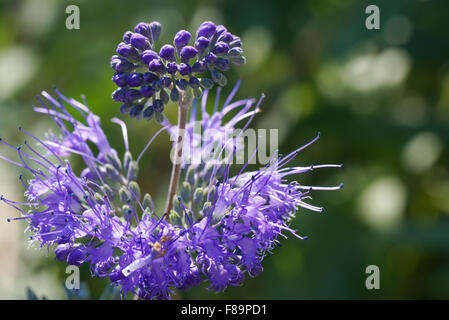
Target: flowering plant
pixel 216 226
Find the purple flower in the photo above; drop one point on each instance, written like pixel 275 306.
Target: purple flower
pixel 181 39
pixel 135 79
pixel 148 56
pixel 167 52
pixel 184 69
pixel 139 41
pixel 206 29
pixel 188 53
pixel 138 50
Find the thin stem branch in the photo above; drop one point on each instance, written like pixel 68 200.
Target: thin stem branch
pixel 176 168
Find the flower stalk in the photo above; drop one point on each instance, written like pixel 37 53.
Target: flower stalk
pixel 185 103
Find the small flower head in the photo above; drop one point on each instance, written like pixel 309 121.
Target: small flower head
pixel 187 64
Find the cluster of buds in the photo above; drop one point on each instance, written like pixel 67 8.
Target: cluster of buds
pixel 148 80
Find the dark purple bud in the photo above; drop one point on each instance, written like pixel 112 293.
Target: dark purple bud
pixel 126 50
pixel 132 94
pixel 210 57
pixel 199 67
pixel 226 37
pixel 220 29
pixel 222 64
pixel 182 38
pixel 143 28
pixel 148 113
pixel 166 82
pixel 136 111
pixel 221 48
pixel 202 43
pixel 188 52
pixel 184 69
pixel 182 83
pixel 77 256
pixel 156 65
pixel 115 59
pixel 119 94
pixel 127 36
pixel 158 106
pixel 167 52
pixel 149 77
pixel 135 79
pixel 146 91
pixel 155 30
pixel 148 55
pixel 120 79
pixel 62 251
pixel 157 85
pixel 206 29
pixel 235 43
pixel 124 66
pixel 172 67
pixel 194 82
pixel 139 41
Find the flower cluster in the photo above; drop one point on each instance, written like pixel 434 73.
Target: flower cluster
pixel 221 226
pixel 148 79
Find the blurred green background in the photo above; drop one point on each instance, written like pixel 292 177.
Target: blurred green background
pixel 379 97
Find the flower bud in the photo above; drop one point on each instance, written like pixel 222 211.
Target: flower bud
pixel 124 195
pixel 172 67
pixel 206 83
pixel 158 106
pixel 240 60
pixel 147 202
pixel 134 187
pixel 120 79
pixel 139 41
pixel 155 30
pixel 184 69
pixel 143 28
pixel 132 171
pixel 174 94
pixel 167 52
pixel 136 111
pixel 148 113
pixel 222 64
pixel 202 43
pixel 199 67
pixel 221 48
pixel 132 94
pixel 182 38
pixel 147 91
pixel 188 52
pixel 148 55
pixel 156 65
pixel 127 36
pixel 108 191
pixel 111 172
pixel 197 200
pixel 219 78
pixel 206 29
pixel 127 160
pixel 175 218
pixel 186 191
pixel 163 95
pixel 135 79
